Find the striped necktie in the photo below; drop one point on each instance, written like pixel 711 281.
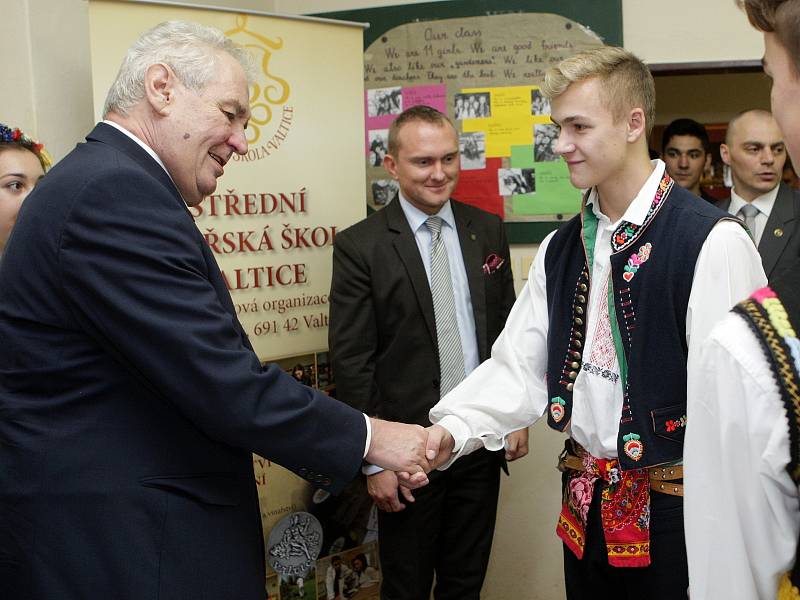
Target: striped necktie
pixel 451 357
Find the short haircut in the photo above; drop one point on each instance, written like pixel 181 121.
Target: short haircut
pixel 627 82
pixel 686 127
pixel 420 112
pixel 189 49
pixel 748 111
pixel 781 17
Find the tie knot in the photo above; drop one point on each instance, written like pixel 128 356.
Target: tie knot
pixel 434 224
pixel 748 211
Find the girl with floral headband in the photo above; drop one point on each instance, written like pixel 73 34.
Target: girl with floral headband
pixel 23 163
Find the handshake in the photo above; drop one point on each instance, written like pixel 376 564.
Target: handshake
pixel 410 450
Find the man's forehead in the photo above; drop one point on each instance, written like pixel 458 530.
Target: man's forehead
pixel 685 141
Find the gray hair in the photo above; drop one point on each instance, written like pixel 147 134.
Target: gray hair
pixel 188 48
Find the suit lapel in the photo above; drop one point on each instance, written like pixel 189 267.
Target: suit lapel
pixel 406 246
pixel 780 219
pixel 473 261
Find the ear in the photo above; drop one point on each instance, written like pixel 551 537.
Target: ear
pixel 725 154
pixel 390 165
pixel 159 87
pixel 636 125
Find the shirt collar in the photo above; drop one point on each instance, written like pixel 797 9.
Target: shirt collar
pixel 638 208
pixel 144 146
pixel 764 202
pixel 416 218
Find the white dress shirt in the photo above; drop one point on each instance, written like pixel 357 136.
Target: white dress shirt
pixel 509 392
pixel 458 272
pixel 763 203
pixel 741 510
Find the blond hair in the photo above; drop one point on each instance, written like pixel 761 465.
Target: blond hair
pixel 626 82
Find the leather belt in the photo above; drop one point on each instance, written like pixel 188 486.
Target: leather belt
pixel 662 479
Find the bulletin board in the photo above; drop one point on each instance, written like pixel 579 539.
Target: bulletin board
pixel 481 62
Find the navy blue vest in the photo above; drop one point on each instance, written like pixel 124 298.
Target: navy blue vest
pixel 652 269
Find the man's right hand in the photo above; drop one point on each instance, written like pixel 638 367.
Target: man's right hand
pixel 399 447
pixel 383 488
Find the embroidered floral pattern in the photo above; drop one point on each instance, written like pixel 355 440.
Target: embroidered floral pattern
pixel 604 373
pixel 636 260
pixel 672 424
pixel 627 233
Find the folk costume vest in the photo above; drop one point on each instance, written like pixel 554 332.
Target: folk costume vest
pixel 652 268
pixel 773 314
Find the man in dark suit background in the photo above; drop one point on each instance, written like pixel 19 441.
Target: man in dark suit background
pixel 755 152
pixel 420 291
pixel 130 397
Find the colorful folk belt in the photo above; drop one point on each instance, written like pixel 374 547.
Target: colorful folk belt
pixel 624 504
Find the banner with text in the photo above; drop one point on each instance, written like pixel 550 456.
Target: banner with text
pixel 272 220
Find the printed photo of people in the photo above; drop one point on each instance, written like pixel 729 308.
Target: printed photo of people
pixel 383 190
pixel 544 143
pixel 351 575
pixel 516 181
pixel 378 143
pixel 539 104
pixel 384 101
pixel 472 106
pixel 297 587
pixel 472 147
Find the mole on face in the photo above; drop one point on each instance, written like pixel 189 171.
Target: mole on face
pixel 186 136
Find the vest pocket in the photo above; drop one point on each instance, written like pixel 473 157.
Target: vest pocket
pixel 670 422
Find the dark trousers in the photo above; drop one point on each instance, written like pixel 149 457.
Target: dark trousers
pixel 667 577
pixel 448 530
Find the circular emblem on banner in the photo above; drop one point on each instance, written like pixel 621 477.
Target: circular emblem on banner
pixel 294 544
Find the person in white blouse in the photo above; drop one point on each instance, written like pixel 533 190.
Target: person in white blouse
pixel 742 512
pixel 598 339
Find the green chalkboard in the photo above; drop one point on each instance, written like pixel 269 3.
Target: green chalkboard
pixel 604 17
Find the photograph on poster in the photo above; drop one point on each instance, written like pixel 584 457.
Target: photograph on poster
pixel 512 182
pixel 296 587
pixel 472 147
pixel 378 143
pixel 539 104
pixel 544 143
pixel 472 106
pixel 351 575
pixel 383 190
pixel 384 101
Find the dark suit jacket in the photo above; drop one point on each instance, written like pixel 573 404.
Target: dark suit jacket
pixel 382 334
pixel 780 243
pixel 130 398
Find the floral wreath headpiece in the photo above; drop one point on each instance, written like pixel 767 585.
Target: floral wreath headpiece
pixel 15 136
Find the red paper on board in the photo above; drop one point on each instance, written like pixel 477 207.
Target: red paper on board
pixel 479 187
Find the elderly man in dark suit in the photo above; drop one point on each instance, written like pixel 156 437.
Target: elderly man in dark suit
pixel 130 397
pixel 754 150
pixel 420 291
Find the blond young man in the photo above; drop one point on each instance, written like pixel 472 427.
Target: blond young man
pixel 743 442
pixel 597 342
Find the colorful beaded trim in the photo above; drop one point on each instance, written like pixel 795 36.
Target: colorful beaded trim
pixel 627 233
pixel 769 320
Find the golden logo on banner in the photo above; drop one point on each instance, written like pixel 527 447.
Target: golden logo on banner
pixel 268 94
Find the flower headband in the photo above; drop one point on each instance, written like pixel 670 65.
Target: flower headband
pixel 15 136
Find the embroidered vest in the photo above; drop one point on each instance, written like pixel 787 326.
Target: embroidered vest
pixel 773 313
pixel 652 268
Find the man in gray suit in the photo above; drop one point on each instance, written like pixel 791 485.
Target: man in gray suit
pixel 755 152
